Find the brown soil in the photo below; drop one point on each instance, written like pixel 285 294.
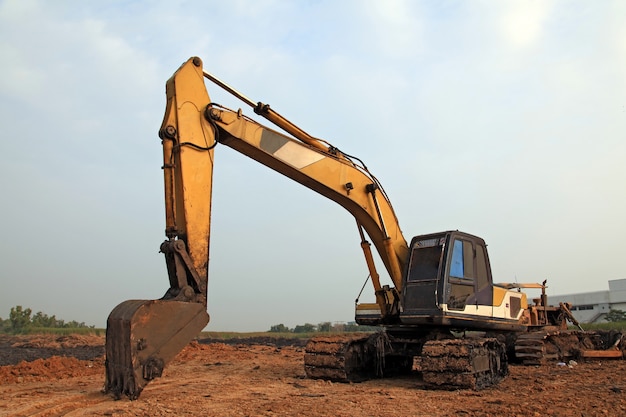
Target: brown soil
pixel 264 380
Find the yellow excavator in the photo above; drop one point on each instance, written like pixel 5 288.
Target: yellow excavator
pixel 442 310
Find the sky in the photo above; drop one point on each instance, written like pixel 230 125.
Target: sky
pixel 506 120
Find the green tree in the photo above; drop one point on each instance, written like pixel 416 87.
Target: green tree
pixel 615 315
pixel 74 324
pixel 43 320
pixel 20 319
pixel 279 328
pixel 5 325
pixel 324 327
pixel 304 328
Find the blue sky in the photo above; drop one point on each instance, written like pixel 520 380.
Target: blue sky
pixel 502 119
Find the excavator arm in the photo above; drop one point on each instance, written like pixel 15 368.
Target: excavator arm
pixel 328 172
pixel 143 335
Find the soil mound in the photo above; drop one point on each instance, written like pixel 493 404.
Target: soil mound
pixel 55 367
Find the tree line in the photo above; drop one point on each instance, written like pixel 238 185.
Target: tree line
pixel 325 327
pixel 22 320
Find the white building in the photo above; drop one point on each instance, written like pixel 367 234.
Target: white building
pixel 591 307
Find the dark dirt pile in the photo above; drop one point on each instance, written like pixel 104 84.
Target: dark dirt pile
pixel 258 340
pixel 15 349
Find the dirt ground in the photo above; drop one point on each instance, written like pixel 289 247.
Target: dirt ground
pixel 63 376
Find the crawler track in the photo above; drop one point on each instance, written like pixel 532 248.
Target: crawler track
pixel 341 358
pixel 463 363
pixel 472 363
pixel 536 348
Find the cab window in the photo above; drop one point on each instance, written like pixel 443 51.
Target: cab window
pixel 462 275
pixel 462 265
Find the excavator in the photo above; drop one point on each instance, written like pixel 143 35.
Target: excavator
pixel 441 313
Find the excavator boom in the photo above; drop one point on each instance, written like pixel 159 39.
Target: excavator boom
pixel 144 335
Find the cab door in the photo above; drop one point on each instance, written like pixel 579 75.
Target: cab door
pixel 468 277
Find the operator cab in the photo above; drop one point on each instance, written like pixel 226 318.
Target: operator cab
pixel 448 282
pixel 450 270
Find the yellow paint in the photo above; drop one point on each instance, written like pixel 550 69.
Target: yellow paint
pixel 188 171
pixel 367 306
pixel 498 296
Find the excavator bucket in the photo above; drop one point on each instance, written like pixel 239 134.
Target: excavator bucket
pixel 143 336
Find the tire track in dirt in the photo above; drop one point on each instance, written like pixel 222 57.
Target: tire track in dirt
pixel 49 403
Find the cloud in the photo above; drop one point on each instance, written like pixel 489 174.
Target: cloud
pixel 522 23
pixel 395 27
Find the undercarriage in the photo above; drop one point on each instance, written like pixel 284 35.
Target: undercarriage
pixel 444 361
